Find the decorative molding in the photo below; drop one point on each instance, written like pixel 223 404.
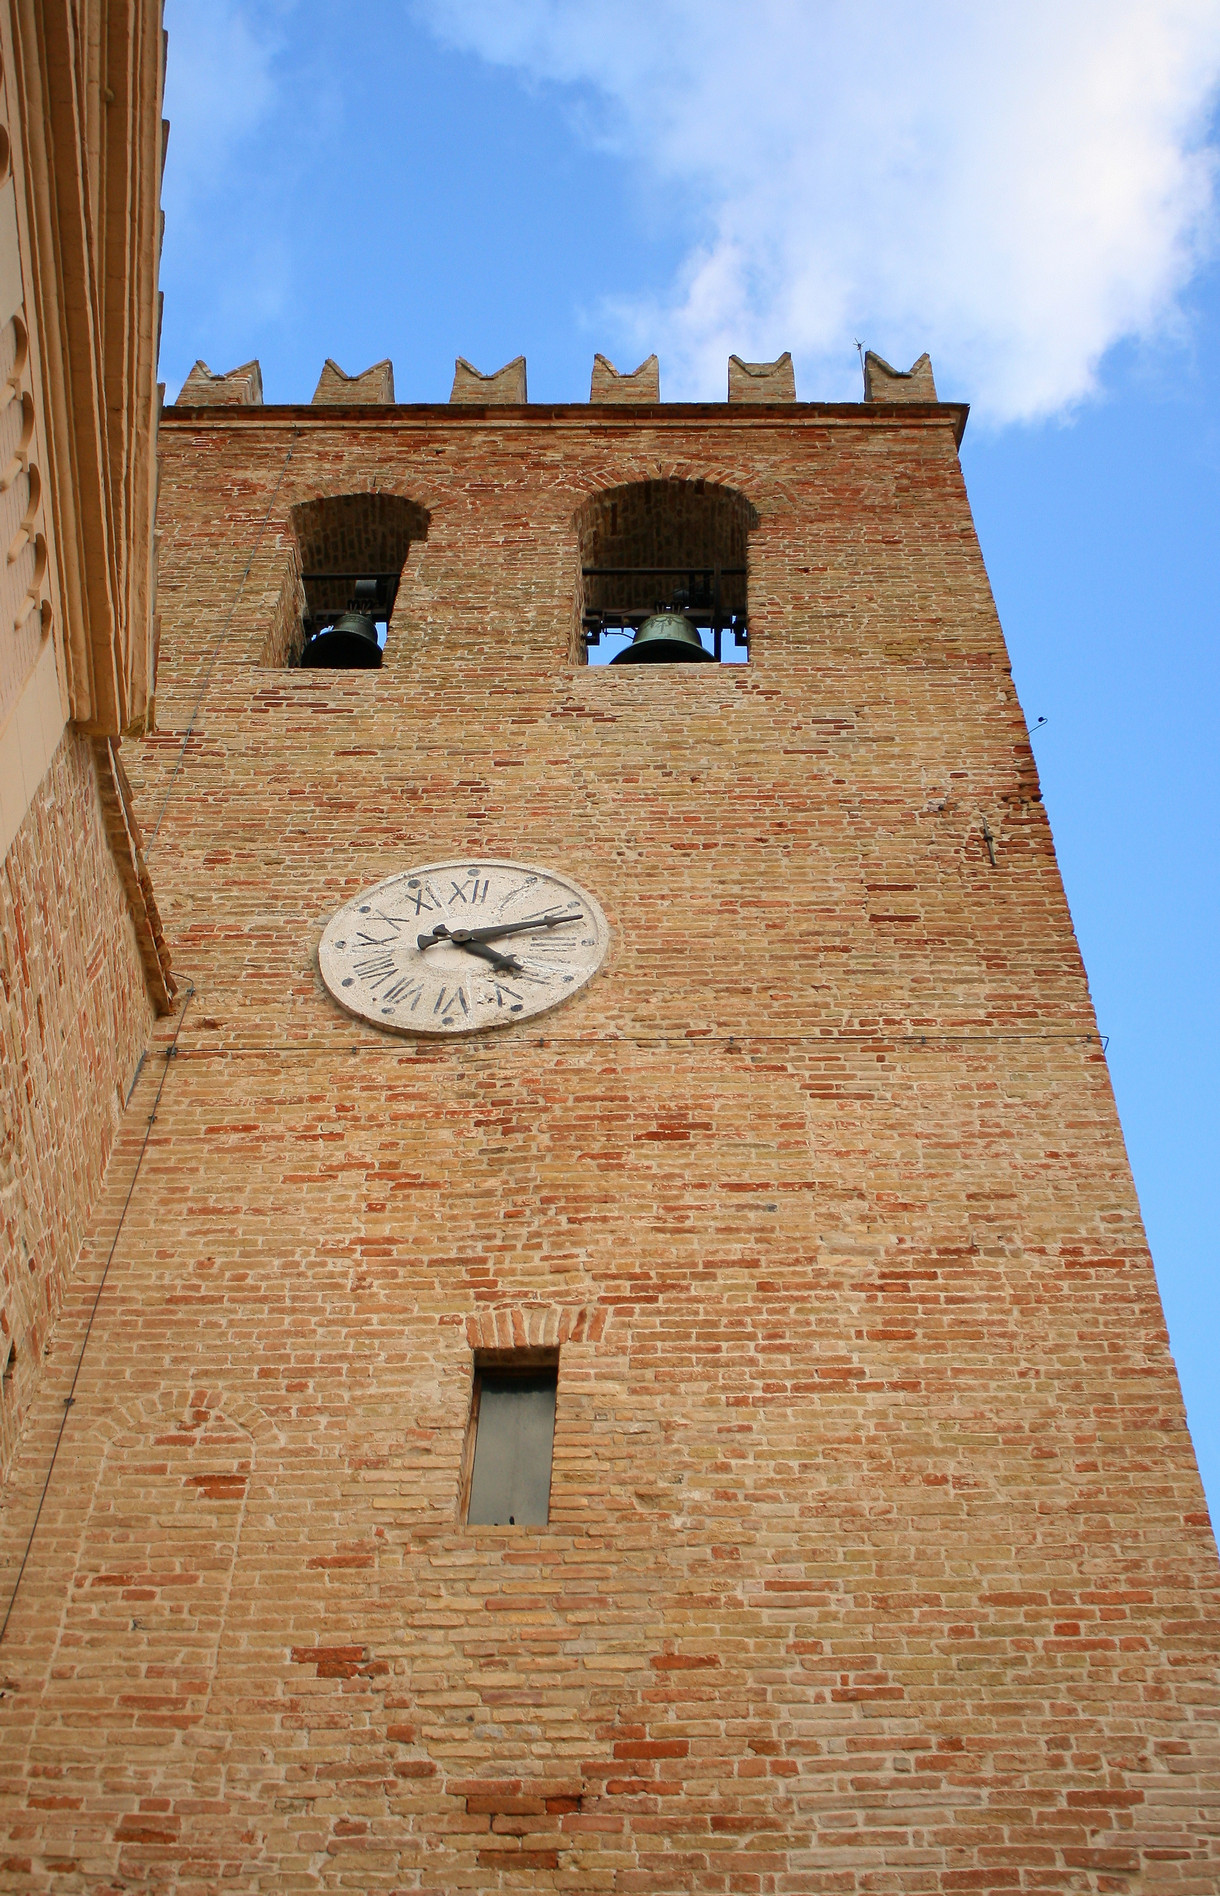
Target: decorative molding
pixel 87 180
pixel 28 742
pixel 12 295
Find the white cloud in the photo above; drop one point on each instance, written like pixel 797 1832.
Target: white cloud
pixel 1014 185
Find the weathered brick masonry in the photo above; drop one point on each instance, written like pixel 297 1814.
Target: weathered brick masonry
pixel 83 963
pixel 74 1021
pixel 877 1559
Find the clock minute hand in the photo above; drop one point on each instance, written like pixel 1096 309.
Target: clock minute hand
pixel 464 936
pixel 511 928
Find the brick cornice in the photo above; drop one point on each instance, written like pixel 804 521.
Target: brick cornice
pixel 585 416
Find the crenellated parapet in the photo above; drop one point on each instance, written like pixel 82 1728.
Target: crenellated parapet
pixel 762 381
pixel 236 388
pixel 506 386
pixel 631 388
pixel 748 382
pixel 375 385
pixel 885 384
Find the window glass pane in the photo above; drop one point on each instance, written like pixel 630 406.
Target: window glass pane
pixel 511 1481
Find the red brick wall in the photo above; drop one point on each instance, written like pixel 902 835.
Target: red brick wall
pixel 74 1019
pixel 877 1559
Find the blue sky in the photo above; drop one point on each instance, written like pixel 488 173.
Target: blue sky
pixel 1023 189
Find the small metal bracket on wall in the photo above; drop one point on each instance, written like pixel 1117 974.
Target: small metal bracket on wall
pixel 989 839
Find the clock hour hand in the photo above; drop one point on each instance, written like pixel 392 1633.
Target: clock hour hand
pixel 463 937
pixel 508 963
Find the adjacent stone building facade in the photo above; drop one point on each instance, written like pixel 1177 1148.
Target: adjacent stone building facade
pixel 83 963
pixel 877 1559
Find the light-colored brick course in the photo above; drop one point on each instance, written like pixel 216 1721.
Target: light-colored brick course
pixel 877 1558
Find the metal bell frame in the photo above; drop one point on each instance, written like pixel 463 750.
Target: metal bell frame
pixel 342 613
pixel 698 603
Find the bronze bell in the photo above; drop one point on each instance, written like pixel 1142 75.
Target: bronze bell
pixel 350 644
pixel 667 638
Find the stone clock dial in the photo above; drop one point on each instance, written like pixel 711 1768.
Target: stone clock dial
pixel 455 947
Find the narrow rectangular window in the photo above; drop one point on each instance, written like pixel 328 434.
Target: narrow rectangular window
pixel 512 1430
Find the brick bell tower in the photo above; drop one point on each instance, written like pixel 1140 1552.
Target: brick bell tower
pixel 628 1359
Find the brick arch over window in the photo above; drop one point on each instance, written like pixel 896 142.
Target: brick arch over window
pixel 693 527
pixel 340 534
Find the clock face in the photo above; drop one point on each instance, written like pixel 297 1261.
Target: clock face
pixel 455 947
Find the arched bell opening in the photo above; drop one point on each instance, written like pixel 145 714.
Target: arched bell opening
pixel 664 574
pixel 351 551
